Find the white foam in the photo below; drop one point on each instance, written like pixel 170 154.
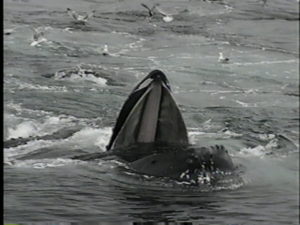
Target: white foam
pixel 232 134
pixel 68 29
pixel 29 147
pixel 31 127
pixel 45 163
pixel 24 129
pixel 272 144
pixel 265 62
pixel 259 150
pixel 99 80
pixel 38 42
pixel 232 186
pixel 18 107
pixel 195 133
pixel 9 30
pixel 21 85
pixel 95 136
pixel 136 44
pixel 85 138
pixel 81 75
pixel 25 85
pixel 256 151
pixel 266 137
pixel 246 105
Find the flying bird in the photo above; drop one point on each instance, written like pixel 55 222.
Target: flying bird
pixel 80 18
pixel 167 17
pixel 38 37
pixel 150 10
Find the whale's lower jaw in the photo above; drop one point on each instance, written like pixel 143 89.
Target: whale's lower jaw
pixel 186 163
pixel 189 163
pixel 197 177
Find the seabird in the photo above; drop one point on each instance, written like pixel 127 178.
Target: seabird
pixel 38 37
pixel 8 31
pixel 167 17
pixel 80 18
pixel 105 50
pixel 222 59
pixel 150 11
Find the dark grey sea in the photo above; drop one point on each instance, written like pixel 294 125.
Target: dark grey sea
pixel 64 89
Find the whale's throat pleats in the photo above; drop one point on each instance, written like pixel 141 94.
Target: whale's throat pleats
pixel 149 117
pixel 154 118
pixel 171 127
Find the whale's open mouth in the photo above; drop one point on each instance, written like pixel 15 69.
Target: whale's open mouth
pixel 149 115
pixel 199 179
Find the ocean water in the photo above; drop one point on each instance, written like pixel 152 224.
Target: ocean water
pixel 62 96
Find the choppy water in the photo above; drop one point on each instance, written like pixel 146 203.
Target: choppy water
pixel 250 105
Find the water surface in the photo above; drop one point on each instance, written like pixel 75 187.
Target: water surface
pixel 250 105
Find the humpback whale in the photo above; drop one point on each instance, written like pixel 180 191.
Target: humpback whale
pixel 151 137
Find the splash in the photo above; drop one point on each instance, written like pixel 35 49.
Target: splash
pixel 24 129
pixel 45 163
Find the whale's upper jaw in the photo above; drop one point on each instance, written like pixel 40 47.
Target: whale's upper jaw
pixel 158 75
pixel 149 115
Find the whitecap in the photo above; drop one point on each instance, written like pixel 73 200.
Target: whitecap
pixel 244 104
pixel 24 129
pixel 30 127
pixel 24 85
pixel 38 42
pixel 265 62
pixel 260 150
pixel 95 136
pixel 46 163
pixel 256 151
